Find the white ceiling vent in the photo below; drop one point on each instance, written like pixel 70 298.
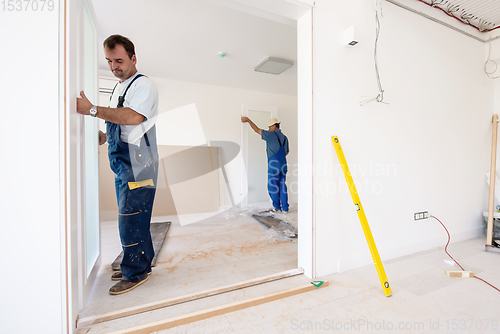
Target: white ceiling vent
pixel 273 65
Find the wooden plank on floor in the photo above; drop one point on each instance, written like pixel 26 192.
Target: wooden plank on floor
pixel 278 224
pixel 159 232
pixel 218 310
pixel 458 273
pixel 87 321
pixel 268 221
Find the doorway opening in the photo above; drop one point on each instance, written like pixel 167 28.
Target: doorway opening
pixel 228 245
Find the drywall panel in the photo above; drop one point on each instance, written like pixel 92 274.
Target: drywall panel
pixel 186 183
pixel 427 149
pixel 174 123
pixel 30 198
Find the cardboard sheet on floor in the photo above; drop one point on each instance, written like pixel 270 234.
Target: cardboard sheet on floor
pixel 158 234
pixel 277 224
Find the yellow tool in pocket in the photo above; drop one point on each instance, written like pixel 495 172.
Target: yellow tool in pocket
pixel 140 184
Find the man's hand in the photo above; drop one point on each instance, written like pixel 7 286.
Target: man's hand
pixel 83 104
pixel 255 128
pixel 102 137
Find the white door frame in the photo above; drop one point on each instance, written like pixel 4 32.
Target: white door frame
pixel 77 282
pixel 306 153
pixel 85 278
pixel 71 22
pixel 245 108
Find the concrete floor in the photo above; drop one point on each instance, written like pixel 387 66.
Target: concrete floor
pixel 225 249
pixel 424 300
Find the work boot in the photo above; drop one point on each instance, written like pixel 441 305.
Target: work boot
pixel 125 286
pixel 117 275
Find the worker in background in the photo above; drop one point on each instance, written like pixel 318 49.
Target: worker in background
pixel 133 157
pixel 277 149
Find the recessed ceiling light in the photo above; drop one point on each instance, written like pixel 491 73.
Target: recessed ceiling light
pixel 273 65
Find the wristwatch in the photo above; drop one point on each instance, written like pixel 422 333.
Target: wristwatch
pixel 93 111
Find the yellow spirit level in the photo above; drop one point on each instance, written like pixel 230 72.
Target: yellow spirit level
pixel 362 218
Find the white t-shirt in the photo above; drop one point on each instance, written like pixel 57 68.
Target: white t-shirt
pixel 142 97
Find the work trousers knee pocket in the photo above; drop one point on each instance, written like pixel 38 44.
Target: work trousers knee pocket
pixel 136 197
pixel 134 228
pixel 135 215
pixel 136 244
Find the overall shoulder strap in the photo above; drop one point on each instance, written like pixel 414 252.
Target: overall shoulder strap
pixel 123 96
pixel 138 76
pixel 121 99
pixel 130 84
pixel 279 141
pixel 111 96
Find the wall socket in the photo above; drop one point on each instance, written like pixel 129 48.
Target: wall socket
pixel 421 215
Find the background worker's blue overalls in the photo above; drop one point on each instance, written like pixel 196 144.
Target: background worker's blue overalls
pixel 136 173
pixel 276 177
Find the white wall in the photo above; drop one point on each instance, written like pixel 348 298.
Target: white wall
pixel 219 110
pixel 427 150
pixel 32 278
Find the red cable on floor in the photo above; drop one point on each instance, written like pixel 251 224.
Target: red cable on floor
pixel 446 250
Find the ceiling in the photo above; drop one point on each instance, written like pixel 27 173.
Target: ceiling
pixel 180 40
pixel 483 15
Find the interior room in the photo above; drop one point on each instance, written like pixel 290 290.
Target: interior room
pixel 410 90
pixel 213 168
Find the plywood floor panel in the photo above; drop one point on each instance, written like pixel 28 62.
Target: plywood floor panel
pixel 195 257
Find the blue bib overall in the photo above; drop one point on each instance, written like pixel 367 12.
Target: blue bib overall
pixel 136 174
pixel 276 178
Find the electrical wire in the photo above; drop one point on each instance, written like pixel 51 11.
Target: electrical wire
pixel 490 60
pixel 446 247
pixel 380 96
pixel 464 18
pixel 458 264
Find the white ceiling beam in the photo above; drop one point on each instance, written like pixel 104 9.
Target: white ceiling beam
pixel 255 11
pixel 282 11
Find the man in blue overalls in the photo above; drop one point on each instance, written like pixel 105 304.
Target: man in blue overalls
pixel 133 157
pixel 277 149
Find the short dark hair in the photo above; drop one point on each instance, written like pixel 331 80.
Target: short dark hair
pixel 127 44
pixel 277 125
